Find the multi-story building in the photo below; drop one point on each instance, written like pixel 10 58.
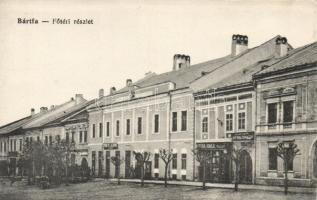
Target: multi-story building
pixel 286 109
pixel 36 127
pixel 158 112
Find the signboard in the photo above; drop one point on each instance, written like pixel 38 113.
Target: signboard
pixel 243 136
pixel 110 146
pixel 212 145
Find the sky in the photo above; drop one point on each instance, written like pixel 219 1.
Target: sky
pixel 46 64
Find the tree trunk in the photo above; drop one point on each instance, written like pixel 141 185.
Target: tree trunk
pixel 286 178
pixel 142 175
pixel 165 177
pixel 66 174
pixel 236 182
pixel 204 175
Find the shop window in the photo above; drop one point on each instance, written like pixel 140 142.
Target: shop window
pixel 272 158
pixel 288 111
pixel 118 128
pixel 184 157
pixel 184 121
pixel 128 127
pixel 174 176
pixel 174 121
pixel 241 120
pixel 100 130
pixel 229 122
pixel 156 175
pixel 139 125
pixel 174 161
pixel 183 177
pixel 108 129
pixel 38 138
pixel 93 162
pixel 205 125
pixel 50 140
pixel 156 123
pixel 272 113
pixel 156 161
pixel 46 140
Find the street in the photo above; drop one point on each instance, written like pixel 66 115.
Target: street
pixel 110 190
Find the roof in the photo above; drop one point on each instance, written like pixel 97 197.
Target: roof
pixel 8 128
pixel 70 113
pixel 57 114
pixel 183 76
pixel 303 55
pixel 252 56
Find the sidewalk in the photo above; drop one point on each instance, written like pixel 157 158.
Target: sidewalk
pixel 225 186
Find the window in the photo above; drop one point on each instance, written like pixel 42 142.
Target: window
pixel 108 129
pixel 272 113
pixel 5 147
pixel 46 140
pixel 174 121
pixel 100 129
pixel 21 144
pixel 128 127
pixel 288 111
pixel 117 167
pixel 139 125
pixel 38 138
pixel 290 162
pixel 11 145
pixel 73 136
pixel 229 122
pixel 184 156
pixel 156 123
pixel 174 161
pixel 80 136
pixel 156 160
pixel 50 140
pixel 205 125
pixel 15 144
pixel 93 130
pixel 118 128
pixel 67 137
pixel 184 121
pixel 85 136
pixel 0 146
pixel 272 158
pixel 241 120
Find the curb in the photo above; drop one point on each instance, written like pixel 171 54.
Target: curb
pixel 222 186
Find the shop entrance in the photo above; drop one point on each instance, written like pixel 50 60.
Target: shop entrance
pixel 245 173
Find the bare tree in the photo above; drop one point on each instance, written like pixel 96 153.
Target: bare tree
pixel 287 151
pixel 142 158
pixel 117 161
pixel 167 156
pixel 203 156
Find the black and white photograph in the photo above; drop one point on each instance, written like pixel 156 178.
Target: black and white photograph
pixel 158 100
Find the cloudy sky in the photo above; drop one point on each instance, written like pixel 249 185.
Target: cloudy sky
pixel 45 64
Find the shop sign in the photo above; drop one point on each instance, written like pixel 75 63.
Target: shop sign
pixel 243 136
pixel 110 145
pixel 212 145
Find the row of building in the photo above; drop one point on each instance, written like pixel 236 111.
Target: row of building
pixel 252 98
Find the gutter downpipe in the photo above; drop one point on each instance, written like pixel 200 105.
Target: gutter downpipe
pixel 194 138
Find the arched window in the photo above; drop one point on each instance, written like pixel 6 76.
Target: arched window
pixel 205 125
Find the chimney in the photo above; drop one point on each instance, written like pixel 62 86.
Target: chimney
pixel 181 61
pixel 79 98
pixel 129 82
pixel 43 109
pixel 101 93
pixel 281 48
pixel 52 107
pixel 239 44
pixel 112 90
pixel 32 111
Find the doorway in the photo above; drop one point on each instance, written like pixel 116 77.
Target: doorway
pixel 245 173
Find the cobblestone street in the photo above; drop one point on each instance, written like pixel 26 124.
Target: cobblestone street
pixel 110 190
